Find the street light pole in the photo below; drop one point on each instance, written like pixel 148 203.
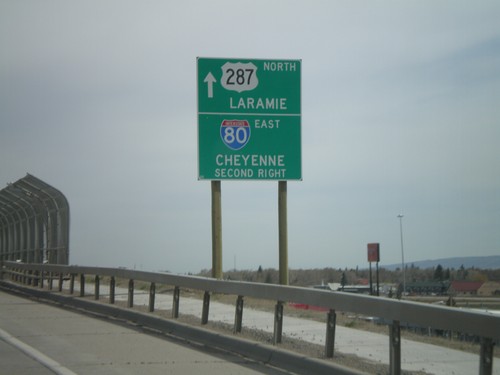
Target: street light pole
pixel 400 216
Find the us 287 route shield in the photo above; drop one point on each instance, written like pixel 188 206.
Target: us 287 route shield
pixel 249 119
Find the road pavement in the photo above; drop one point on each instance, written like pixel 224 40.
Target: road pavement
pixel 41 339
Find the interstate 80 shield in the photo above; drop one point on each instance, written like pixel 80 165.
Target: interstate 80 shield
pixel 235 133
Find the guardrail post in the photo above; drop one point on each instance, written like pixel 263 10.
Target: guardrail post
pixel 175 302
pixel 331 321
pixel 82 285
pixel 112 284
pixel 206 307
pixel 60 281
pixel 152 291
pixel 35 279
pixel 97 282
pixel 486 356
pixel 72 283
pixel 395 348
pixel 238 315
pixel 130 300
pixel 42 274
pixel 278 323
pixel 51 279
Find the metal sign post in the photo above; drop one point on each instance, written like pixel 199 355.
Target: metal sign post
pixel 216 230
pixel 283 232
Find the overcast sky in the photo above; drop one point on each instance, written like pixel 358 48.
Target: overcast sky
pixel 400 114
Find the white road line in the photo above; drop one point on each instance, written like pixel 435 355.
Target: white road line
pixel 48 362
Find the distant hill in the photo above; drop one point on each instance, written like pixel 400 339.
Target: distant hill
pixel 486 262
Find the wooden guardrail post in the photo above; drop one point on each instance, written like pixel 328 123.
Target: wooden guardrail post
pixel 175 302
pixel 112 285
pixel 61 280
pixel 486 356
pixel 206 307
pixel 97 285
pixel 72 283
pixel 51 279
pixel 130 300
pixel 331 321
pixel 42 274
pixel 152 291
pixel 395 348
pixel 36 278
pixel 82 285
pixel 278 323
pixel 238 315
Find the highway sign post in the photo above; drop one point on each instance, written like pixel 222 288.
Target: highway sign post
pixel 249 119
pixel 249 128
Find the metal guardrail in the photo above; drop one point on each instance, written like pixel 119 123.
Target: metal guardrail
pixel 484 325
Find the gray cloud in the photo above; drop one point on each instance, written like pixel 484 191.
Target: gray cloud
pixel 400 112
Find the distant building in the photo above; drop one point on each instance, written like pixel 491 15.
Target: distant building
pixel 337 287
pixel 363 281
pixel 427 287
pixel 464 288
pixel 489 289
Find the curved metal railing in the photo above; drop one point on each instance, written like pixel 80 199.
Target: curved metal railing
pixel 481 324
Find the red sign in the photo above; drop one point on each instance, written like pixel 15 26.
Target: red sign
pixel 373 252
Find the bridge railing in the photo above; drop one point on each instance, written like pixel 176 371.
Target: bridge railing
pixel 398 312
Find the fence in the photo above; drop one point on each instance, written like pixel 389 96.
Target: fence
pixel 34 222
pixel 484 325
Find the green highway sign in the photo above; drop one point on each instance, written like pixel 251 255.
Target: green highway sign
pixel 249 119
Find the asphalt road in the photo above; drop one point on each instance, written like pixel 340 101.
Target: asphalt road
pixel 41 339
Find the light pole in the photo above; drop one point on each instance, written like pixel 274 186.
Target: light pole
pixel 400 216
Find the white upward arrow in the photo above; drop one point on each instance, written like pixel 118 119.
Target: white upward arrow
pixel 210 79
